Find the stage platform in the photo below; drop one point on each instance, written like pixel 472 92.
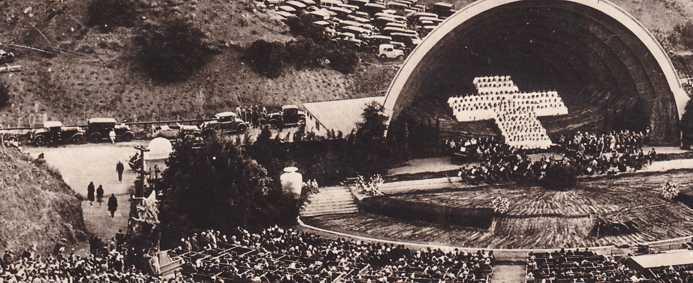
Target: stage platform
pixel 538 218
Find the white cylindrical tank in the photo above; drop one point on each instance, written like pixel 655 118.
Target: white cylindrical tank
pixel 292 181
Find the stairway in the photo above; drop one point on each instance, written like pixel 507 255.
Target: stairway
pixel 330 200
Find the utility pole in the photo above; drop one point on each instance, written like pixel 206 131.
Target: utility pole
pixel 139 188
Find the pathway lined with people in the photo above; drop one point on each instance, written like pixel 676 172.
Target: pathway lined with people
pixel 81 164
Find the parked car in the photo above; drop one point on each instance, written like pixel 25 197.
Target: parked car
pixel 289 116
pixel 388 51
pixel 174 131
pixel 99 128
pixel 227 122
pixel 54 133
pixel 6 57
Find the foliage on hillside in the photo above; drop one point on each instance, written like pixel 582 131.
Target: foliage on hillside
pixel 172 51
pixel 4 95
pixel 36 206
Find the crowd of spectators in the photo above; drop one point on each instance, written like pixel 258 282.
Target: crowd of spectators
pixel 577 266
pixel 286 255
pixel 253 114
pixel 64 266
pixel 585 153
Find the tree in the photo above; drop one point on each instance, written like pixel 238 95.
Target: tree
pixel 371 153
pixel 686 125
pixel 4 95
pixel 686 33
pixel 107 14
pixel 217 186
pixel 344 60
pixel 172 51
pixel 266 58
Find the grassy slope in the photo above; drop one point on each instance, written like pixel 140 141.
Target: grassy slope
pixel 74 86
pixel 36 206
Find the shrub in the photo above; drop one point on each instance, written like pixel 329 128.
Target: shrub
pixel 344 60
pixel 370 187
pixel 107 14
pixel 500 205
pixel 670 191
pixel 266 58
pixel 686 125
pixel 686 33
pixel 560 177
pixel 4 95
pixel 305 53
pixel 172 51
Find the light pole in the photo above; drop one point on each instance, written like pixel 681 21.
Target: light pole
pixel 139 187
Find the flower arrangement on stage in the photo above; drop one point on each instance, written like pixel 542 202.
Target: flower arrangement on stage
pixel 670 191
pixel 500 205
pixel 370 186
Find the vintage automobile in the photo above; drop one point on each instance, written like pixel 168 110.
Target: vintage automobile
pixel 175 131
pixel 388 51
pixel 227 122
pixel 54 133
pixel 289 116
pixel 99 128
pixel 6 57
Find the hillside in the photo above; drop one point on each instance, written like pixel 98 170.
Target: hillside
pixel 94 75
pixel 36 206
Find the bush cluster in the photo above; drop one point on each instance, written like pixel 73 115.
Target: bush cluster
pixel 685 31
pixel 4 95
pixel 107 14
pixel 560 177
pixel 172 51
pixel 270 58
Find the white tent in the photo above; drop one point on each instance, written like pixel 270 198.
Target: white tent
pixel 159 151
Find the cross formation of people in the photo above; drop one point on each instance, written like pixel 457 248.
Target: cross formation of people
pixel 498 98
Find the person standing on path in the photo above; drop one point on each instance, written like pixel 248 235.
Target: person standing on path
pixel 112 205
pixel 99 195
pixel 112 136
pixel 119 169
pixel 90 193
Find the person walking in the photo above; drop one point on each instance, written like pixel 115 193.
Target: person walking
pixel 99 195
pixel 119 169
pixel 112 136
pixel 112 205
pixel 90 193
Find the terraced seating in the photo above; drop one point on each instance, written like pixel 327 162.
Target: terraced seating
pixel 286 255
pixel 576 266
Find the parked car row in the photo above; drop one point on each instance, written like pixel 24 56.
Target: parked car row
pixel 97 130
pixel 368 24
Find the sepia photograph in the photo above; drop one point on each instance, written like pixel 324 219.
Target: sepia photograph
pixel 471 141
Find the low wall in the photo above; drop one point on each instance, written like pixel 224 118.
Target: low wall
pixel 435 213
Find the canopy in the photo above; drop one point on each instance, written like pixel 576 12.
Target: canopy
pixel 159 148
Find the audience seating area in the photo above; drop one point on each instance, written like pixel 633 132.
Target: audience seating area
pixel 515 113
pixel 286 255
pixel 577 266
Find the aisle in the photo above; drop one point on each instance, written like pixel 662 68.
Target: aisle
pixel 508 273
pixel 80 164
